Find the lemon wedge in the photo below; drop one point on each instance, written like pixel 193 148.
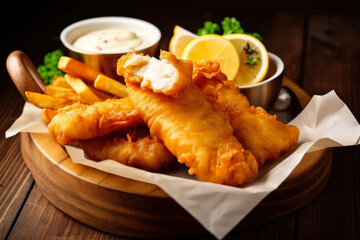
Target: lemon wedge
pixel 215 48
pixel 254 59
pixel 179 40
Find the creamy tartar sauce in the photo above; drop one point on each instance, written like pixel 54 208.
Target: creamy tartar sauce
pixel 113 40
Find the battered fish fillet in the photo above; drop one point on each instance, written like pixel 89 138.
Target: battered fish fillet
pixel 80 121
pixel 140 69
pixel 133 147
pixel 48 114
pixel 196 131
pixel 215 85
pixel 258 131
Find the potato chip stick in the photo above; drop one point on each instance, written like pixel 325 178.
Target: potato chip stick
pixel 77 69
pixel 44 101
pixel 82 89
pixel 110 85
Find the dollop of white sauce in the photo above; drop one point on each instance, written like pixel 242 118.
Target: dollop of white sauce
pixel 112 40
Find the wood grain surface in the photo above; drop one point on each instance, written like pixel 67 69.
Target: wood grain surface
pixel 318 45
pixel 23 73
pixel 340 72
pixel 15 178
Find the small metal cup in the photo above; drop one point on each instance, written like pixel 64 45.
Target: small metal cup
pixel 106 62
pixel 264 93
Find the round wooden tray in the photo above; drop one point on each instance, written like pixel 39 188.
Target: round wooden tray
pixel 131 208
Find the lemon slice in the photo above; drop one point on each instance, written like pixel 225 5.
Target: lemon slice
pixel 247 45
pixel 214 48
pixel 179 40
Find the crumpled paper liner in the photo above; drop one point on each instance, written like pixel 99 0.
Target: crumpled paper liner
pixel 325 122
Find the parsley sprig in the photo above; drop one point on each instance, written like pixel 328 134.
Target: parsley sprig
pixel 228 26
pixel 49 69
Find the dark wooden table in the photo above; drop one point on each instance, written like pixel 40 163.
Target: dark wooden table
pixel 318 42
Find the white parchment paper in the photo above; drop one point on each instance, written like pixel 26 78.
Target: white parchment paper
pixel 325 122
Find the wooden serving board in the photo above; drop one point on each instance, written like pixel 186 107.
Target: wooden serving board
pixel 131 208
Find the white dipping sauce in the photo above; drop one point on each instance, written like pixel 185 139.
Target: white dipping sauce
pixel 113 40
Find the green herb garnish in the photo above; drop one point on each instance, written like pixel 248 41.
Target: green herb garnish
pixel 209 28
pixel 231 25
pixel 49 69
pixel 252 60
pixel 228 26
pixel 256 35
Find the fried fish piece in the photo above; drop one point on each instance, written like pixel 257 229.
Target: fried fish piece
pixel 195 130
pixel 48 114
pixel 262 134
pixel 80 121
pixel 208 77
pixel 145 70
pixel 133 147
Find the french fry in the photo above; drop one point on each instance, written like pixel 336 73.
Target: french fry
pixel 61 92
pixel 60 88
pixel 59 81
pixel 77 69
pixel 102 95
pixel 82 89
pixel 44 101
pixel 110 85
